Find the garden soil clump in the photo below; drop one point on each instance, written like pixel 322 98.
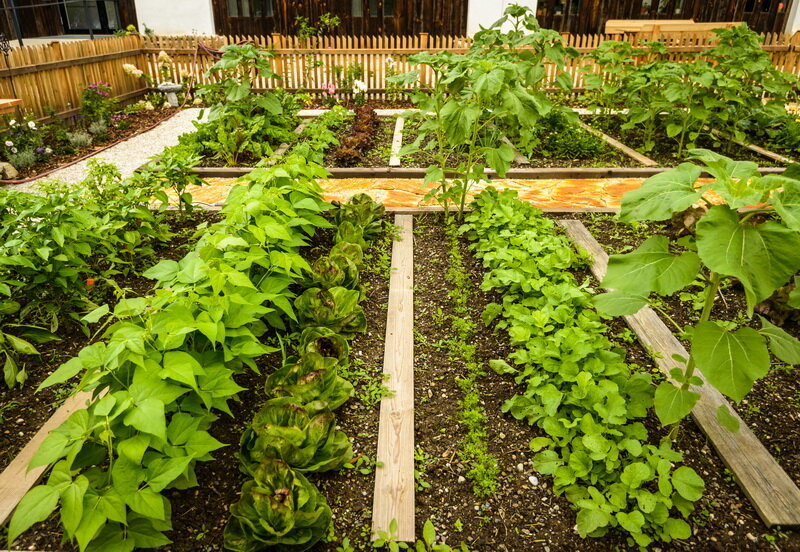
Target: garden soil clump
pixel 139 121
pixel 22 409
pixel 524 514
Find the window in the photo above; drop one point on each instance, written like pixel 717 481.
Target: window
pixel 766 5
pixel 388 8
pixel 233 8
pixel 373 8
pixel 357 9
pixel 575 7
pixel 678 7
pixel 262 8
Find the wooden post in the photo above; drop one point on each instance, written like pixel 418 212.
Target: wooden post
pixel 277 44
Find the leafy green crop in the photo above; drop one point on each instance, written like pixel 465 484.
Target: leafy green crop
pixel 305 437
pixel 310 378
pixel 167 365
pixel 336 308
pixel 758 248
pixel 577 387
pixel 279 509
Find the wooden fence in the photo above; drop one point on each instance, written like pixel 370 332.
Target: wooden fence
pixel 52 76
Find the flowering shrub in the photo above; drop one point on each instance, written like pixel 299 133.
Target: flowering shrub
pixel 97 103
pixel 329 96
pixel 359 90
pixel 21 136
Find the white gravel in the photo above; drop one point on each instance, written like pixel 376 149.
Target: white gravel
pixel 127 155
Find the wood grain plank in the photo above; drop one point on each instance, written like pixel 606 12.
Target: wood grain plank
pixel 16 480
pixel 752 147
pixel 397 142
pixel 771 491
pixel 394 479
pixel 519 159
pixel 632 153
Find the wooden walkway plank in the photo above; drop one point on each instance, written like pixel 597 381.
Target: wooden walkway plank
pixel 771 491
pixel 632 153
pixel 519 159
pixel 752 147
pixel 397 142
pixel 394 478
pixel 16 480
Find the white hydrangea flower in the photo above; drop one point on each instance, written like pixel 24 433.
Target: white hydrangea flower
pixel 390 61
pixel 14 150
pixel 12 122
pixel 359 86
pixel 9 143
pixel 148 106
pixel 32 125
pixel 48 151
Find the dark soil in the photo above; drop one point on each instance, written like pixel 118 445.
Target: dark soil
pixel 22 409
pixel 665 148
pixel 378 153
pixel 524 516
pixel 139 121
pixel 199 514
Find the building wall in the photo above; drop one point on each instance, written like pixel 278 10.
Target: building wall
pixel 793 19
pixel 358 17
pixel 482 13
pixel 176 17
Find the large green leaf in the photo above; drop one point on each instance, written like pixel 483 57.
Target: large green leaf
pixel 738 182
pixel 731 361
pixel 672 404
pixel 650 268
pixel 787 203
pixel 688 484
pixel 762 257
pixel 662 195
pixel 782 345
pixel 619 303
pixel 35 506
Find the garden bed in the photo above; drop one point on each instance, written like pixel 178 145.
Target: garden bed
pixel 772 408
pixel 23 410
pixel 140 121
pixel 664 151
pixel 200 513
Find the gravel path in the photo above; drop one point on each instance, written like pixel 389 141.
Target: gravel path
pixel 127 155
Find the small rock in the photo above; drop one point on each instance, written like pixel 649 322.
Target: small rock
pixel 520 468
pixel 20 420
pixel 752 537
pixel 8 172
pixel 730 533
pixel 533 479
pixel 461 479
pixel 502 435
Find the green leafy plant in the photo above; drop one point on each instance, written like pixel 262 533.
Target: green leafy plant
pixel 577 387
pixel 497 84
pixel 308 379
pixel 305 437
pixel 336 308
pixel 758 248
pixel 279 508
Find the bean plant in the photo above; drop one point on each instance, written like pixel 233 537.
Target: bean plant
pixel 499 83
pixel 756 247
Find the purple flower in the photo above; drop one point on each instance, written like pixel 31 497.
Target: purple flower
pixel 39 150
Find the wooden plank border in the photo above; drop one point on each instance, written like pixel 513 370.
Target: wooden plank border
pixel 16 479
pixel 397 142
pixel 394 478
pixel 613 142
pixel 771 491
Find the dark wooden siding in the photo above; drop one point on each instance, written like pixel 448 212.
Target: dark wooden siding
pixel 378 17
pixel 590 16
pixel 46 20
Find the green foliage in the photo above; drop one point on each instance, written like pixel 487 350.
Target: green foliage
pixel 760 252
pixel 173 170
pixel 97 104
pixel 308 379
pixel 320 134
pixel 242 124
pixel 578 388
pixel 305 437
pixel 498 84
pixel 167 364
pixel 278 509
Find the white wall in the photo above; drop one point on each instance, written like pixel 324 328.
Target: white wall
pixel 176 17
pixel 482 13
pixel 793 18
